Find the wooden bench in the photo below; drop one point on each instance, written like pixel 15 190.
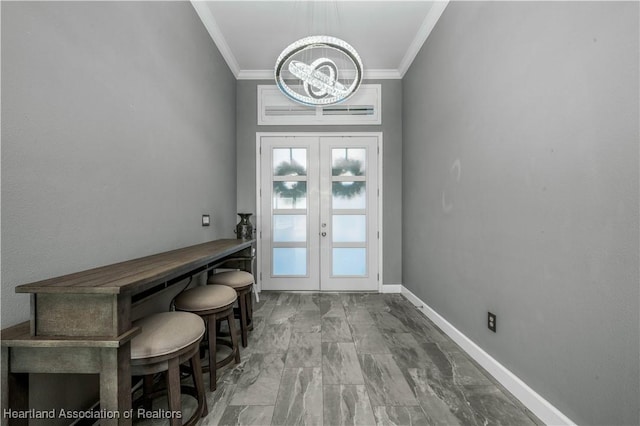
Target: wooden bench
pixel 81 323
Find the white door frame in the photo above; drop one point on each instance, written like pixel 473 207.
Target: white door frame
pixel 258 220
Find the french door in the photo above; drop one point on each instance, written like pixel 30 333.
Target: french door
pixel 318 220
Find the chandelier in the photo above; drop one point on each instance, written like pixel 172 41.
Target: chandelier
pixel 318 70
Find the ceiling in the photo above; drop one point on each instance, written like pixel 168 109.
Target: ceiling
pixel 251 34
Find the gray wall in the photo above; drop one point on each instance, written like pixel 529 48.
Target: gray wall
pixel 118 133
pixel 247 127
pixel 539 104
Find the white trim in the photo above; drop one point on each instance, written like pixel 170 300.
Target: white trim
pixel 380 74
pixel 380 209
pixel 539 406
pixel 391 288
pixel 213 29
pixel 269 96
pixel 421 36
pixel 380 206
pixel 258 218
pixel 256 75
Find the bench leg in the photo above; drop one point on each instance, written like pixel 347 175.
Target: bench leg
pixel 115 383
pixel 15 391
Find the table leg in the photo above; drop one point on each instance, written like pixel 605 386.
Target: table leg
pixel 15 391
pixel 115 384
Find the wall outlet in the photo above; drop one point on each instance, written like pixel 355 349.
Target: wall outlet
pixel 491 322
pixel 206 220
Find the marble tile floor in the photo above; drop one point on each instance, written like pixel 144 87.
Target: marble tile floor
pixel 353 359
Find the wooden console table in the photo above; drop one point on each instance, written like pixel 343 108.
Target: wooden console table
pixel 81 323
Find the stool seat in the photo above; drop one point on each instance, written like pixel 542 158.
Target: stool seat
pixel 242 282
pixel 213 303
pixel 235 279
pixel 167 340
pixel 164 333
pixel 205 298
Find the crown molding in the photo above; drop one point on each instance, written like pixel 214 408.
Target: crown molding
pixel 368 75
pixel 427 26
pixel 421 36
pixel 382 74
pixel 211 25
pixel 256 75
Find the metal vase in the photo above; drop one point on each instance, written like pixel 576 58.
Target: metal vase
pixel 244 228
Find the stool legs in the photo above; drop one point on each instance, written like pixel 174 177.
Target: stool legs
pixel 196 371
pixel 234 335
pixel 243 319
pixel 173 390
pixel 211 319
pixel 250 309
pixel 151 356
pixel 244 312
pixel 245 307
pixel 213 365
pixel 147 389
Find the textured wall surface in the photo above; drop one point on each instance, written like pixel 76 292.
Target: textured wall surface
pixel 118 133
pixel 247 121
pixel 520 182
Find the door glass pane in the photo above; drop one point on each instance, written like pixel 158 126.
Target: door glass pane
pixel 349 228
pixel 289 228
pixel 289 161
pixel 348 161
pixel 350 261
pixel 349 195
pixel 289 195
pixel 289 261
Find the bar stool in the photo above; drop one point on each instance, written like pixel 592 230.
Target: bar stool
pixel 213 303
pixel 242 283
pixel 167 340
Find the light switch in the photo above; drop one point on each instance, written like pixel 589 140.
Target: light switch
pixel 206 220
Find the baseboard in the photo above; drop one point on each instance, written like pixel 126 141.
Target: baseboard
pixel 539 406
pixel 391 288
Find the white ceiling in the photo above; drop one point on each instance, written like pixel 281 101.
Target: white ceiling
pixel 251 34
